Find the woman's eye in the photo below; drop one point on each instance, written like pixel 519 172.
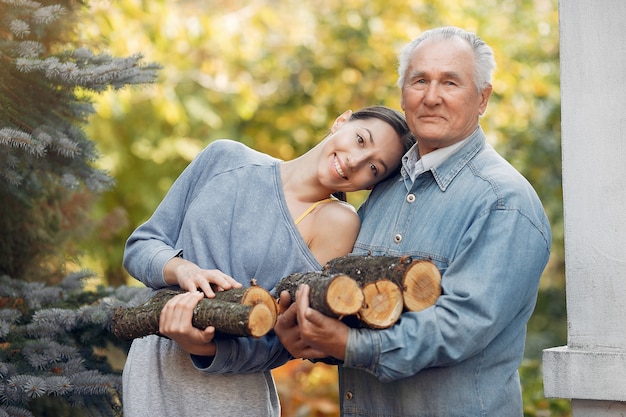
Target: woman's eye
pixel 374 169
pixel 360 139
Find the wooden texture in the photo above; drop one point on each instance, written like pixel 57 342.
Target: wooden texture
pixel 335 295
pixel 420 280
pixel 421 285
pixel 251 295
pixel 373 289
pixel 383 304
pixel 228 318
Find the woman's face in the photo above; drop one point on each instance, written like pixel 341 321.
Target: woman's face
pixel 359 153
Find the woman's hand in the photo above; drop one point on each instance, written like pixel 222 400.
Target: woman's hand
pixel 190 277
pixel 175 322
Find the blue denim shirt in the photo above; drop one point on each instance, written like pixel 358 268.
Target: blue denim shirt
pixel 483 225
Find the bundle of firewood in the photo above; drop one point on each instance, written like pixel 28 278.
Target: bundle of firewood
pixel 375 290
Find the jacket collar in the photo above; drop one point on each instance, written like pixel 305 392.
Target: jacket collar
pixel 448 169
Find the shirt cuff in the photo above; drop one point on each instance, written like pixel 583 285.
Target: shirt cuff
pixel 217 363
pixel 157 278
pixel 362 349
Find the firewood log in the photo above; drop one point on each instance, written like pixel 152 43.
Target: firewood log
pixel 421 285
pixel 335 295
pixel 420 280
pixel 377 303
pixel 383 303
pixel 228 318
pixel 375 289
pixel 254 294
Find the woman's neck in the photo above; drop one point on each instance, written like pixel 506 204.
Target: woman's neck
pixel 300 179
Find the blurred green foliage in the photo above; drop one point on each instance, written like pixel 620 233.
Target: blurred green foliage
pixel 274 74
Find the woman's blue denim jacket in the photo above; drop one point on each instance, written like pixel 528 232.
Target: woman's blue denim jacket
pixel 483 225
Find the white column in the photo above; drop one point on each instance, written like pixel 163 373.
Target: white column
pixel 591 369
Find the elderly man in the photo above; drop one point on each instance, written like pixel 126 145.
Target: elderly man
pixel 462 206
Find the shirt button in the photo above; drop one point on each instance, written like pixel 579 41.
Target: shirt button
pixel 410 198
pixel 349 395
pixel 397 238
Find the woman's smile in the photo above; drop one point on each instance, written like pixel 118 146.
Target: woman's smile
pixel 339 169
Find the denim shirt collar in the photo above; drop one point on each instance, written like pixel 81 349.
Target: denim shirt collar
pixel 449 168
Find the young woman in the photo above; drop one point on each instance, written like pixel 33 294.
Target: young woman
pixel 236 214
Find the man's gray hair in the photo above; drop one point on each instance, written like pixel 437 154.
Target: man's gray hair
pixel 483 54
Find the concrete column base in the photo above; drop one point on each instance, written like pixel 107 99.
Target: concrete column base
pixel 587 408
pixel 585 374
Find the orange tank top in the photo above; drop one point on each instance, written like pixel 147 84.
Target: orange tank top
pixel 312 207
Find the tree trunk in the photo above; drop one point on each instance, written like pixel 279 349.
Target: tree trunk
pixel 227 317
pixel 335 295
pixel 420 280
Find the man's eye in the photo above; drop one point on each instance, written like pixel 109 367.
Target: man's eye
pixel 420 83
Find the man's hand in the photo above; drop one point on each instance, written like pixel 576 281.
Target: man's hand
pixel 321 333
pixel 307 333
pixel 175 322
pixel 288 332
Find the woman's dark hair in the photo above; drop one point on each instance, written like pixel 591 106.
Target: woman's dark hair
pixel 393 118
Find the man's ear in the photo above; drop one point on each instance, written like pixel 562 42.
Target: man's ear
pixel 484 99
pixel 344 117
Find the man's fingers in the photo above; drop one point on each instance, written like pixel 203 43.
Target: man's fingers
pixel 288 318
pixel 302 299
pixel 284 301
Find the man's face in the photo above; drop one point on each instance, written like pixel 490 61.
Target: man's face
pixel 439 97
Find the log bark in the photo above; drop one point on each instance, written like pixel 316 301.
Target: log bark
pixel 249 296
pixel 420 280
pixel 374 289
pixel 371 267
pixel 379 278
pixel 228 318
pixel 334 295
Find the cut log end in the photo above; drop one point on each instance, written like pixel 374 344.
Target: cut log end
pixel 344 295
pixel 422 285
pixel 383 304
pixel 249 296
pixel 259 295
pixel 261 320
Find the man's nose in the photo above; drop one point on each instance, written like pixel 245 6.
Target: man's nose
pixel 431 94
